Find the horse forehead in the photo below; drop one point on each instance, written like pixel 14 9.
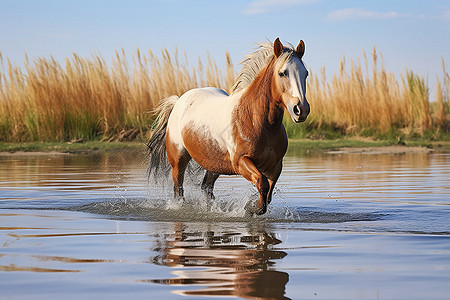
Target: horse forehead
pixel 296 64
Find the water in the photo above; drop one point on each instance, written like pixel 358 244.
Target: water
pixel 341 226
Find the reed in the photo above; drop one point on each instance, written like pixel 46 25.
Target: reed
pixel 89 98
pixel 85 98
pixel 442 113
pixel 368 99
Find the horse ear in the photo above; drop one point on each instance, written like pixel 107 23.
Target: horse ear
pixel 300 49
pixel 277 47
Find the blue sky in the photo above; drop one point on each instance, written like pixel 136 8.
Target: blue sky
pixel 409 33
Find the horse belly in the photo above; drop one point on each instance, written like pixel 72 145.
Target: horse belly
pixel 207 151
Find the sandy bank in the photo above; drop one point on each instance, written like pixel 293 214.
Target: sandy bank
pixel 380 150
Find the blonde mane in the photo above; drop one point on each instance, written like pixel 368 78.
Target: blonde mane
pixel 254 62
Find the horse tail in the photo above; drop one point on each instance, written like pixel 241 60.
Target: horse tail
pixel 159 164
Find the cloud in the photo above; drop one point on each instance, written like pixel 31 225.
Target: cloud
pixel 264 6
pixel 446 15
pixel 362 14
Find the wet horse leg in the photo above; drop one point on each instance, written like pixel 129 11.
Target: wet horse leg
pixel 179 161
pixel 208 184
pixel 273 178
pixel 248 169
pixel 178 178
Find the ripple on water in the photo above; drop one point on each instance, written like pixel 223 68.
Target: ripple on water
pixel 216 211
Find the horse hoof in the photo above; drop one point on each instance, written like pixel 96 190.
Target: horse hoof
pixel 262 210
pixel 209 196
pixel 249 209
pixel 252 209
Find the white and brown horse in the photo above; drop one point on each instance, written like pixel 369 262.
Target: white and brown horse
pixel 241 133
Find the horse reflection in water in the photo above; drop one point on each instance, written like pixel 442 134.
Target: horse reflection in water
pixel 229 264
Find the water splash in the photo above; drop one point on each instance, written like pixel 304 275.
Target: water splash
pixel 219 210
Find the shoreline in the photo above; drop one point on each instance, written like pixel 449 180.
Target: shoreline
pixel 338 146
pixel 381 150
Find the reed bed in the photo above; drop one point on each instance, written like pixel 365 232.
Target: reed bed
pixel 368 100
pixel 86 98
pixel 90 99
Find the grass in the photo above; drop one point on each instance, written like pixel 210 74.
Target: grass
pixel 90 99
pixel 295 145
pixel 369 101
pixel 70 147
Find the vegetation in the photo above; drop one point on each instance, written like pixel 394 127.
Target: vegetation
pixel 70 147
pixel 372 102
pixel 87 99
pixel 295 145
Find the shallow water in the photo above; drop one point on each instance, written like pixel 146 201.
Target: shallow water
pixel 341 226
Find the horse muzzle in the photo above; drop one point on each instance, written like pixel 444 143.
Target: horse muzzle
pixel 299 112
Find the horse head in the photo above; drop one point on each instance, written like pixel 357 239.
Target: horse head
pixel 290 76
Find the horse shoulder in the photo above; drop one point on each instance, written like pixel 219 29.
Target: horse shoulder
pixel 266 151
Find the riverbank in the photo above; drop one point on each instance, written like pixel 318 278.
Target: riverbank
pixel 80 147
pixel 336 145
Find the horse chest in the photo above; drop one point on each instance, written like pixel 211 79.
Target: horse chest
pixel 266 151
pixel 271 152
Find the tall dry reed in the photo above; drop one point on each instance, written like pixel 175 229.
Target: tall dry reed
pixel 368 98
pixel 442 113
pixel 87 98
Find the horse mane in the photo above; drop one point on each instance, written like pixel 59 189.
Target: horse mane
pixel 254 62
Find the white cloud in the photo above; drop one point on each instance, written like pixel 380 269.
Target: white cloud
pixel 362 14
pixel 446 15
pixel 264 6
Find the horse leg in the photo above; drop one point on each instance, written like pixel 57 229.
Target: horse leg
pixel 208 184
pixel 273 178
pixel 248 169
pixel 178 178
pixel 179 160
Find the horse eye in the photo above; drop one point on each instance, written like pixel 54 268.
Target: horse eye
pixel 282 74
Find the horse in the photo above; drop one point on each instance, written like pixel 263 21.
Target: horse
pixel 237 134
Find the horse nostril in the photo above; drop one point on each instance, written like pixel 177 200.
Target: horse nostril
pixel 297 111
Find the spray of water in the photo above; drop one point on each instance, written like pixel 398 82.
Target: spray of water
pixel 151 199
pixel 229 206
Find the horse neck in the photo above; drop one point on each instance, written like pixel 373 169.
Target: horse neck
pixel 260 106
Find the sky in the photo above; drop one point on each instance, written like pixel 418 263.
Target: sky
pixel 408 33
